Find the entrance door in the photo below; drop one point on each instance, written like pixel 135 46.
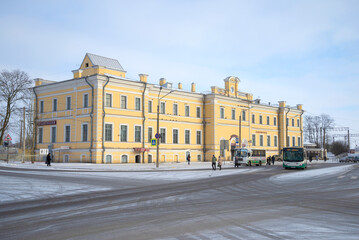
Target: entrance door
pixel 138 159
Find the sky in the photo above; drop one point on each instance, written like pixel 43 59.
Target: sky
pixel 301 52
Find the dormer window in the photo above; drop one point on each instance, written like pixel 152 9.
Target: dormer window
pixel 86 64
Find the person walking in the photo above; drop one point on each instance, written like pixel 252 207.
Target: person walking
pixel 214 161
pixel 189 159
pixel 268 160
pixel 220 162
pixel 273 160
pixel 48 159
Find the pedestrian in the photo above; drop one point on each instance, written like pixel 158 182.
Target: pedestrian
pixel 317 157
pixel 214 160
pixel 310 158
pixel 273 159
pixel 48 159
pixel 220 162
pixel 189 158
pixel 325 158
pixel 268 160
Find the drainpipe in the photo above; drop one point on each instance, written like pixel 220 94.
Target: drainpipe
pixel 103 120
pixel 35 123
pixel 204 128
pixel 143 121
pixel 91 115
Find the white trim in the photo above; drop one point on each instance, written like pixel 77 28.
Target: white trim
pixel 111 102
pixel 126 104
pixel 70 103
pixel 185 136
pixel 67 125
pixel 165 134
pixel 140 104
pixel 38 135
pixel 128 158
pixel 220 113
pixel 43 106
pixel 134 133
pixel 51 134
pixel 127 132
pixel 82 133
pixel 161 107
pixel 177 135
pixel 148 106
pixel 173 109
pixel 200 137
pixel 148 136
pixel 57 105
pixel 108 154
pixel 200 112
pixel 112 140
pixel 261 136
pixel 83 100
pixel 189 110
pixel 58 94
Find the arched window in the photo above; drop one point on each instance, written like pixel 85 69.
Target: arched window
pixel 108 159
pixel 124 159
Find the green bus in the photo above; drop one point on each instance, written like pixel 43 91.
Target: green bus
pixel 294 157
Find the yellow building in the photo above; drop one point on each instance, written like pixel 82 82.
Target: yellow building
pixel 100 116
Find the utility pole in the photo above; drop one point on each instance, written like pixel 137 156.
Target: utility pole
pixel 23 137
pixel 240 130
pixel 348 141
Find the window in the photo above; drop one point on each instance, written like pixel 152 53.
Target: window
pixel 137 133
pixel 149 106
pixel 163 108
pixel 41 134
pixel 260 119
pixel 54 105
pixel 233 114
pixel 293 141
pixel 41 106
pixel 198 110
pixel 67 133
pixel 299 142
pixel 253 139
pixel 199 158
pixel 187 134
pixel 53 134
pixel 124 159
pixel 243 115
pixel 287 124
pixel 261 140
pixel 298 123
pixel 86 100
pixel 276 141
pixel 108 159
pixel 288 141
pixel 68 103
pixel 123 102
pixel 123 136
pixel 268 140
pixel 66 158
pixel 275 121
pixel 108 100
pixel 150 134
pixel 108 132
pixel 292 122
pixel 253 118
pixel 84 132
pixel 163 135
pixel 221 110
pixel 175 109
pixel 268 121
pixel 138 104
pixel 175 136
pixel 186 108
pixel 199 137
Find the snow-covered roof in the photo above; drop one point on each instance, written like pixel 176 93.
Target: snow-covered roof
pixel 105 62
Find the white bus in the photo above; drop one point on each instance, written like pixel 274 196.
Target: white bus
pixel 249 157
pixel 294 157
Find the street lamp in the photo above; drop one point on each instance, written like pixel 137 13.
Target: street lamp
pixel 158 136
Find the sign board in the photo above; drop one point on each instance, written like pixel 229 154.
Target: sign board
pixel 53 122
pixel 44 151
pixel 8 138
pixel 153 142
pixel 157 136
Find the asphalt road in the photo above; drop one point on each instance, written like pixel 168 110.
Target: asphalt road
pixel 255 205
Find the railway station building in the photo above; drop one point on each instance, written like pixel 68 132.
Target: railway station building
pixel 100 116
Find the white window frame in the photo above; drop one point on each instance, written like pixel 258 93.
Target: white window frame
pixel 127 158
pixel 53 105
pixel 187 113
pixel 298 123
pixel 173 129
pixel 253 118
pixel 82 132
pixel 268 141
pixel 268 120
pixel 67 125
pixel 261 140
pixel 127 132
pixel 165 140
pixel 67 101
pixel 244 115
pixel 123 106
pixel 51 134
pixel 148 133
pixel 163 110
pixel 276 141
pixel 275 121
pixel 198 112
pixel 150 106
pixel 134 133
pixel 108 154
pixel 200 139
pixel 254 140
pixel 85 103
pixel 221 112
pixel 260 119
pixel 189 130
pixel 139 100
pixel 112 136
pixel 111 99
pixel 293 141
pixel 233 114
pixel 175 109
pixel 42 106
pixel 42 136
pixel 299 142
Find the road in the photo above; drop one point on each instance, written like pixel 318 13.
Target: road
pixel 265 204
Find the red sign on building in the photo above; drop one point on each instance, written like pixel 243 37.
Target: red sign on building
pixel 53 122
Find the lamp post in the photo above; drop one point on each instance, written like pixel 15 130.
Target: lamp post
pixel 158 136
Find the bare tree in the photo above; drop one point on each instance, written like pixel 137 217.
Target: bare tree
pixel 13 91
pixel 314 126
pixel 338 147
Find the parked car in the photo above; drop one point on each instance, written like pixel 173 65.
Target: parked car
pixel 349 159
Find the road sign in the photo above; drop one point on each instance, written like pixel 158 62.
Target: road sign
pixel 153 142
pixel 8 138
pixel 237 140
pixel 44 151
pixel 157 135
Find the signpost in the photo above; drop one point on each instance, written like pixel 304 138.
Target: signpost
pixel 6 144
pixel 153 142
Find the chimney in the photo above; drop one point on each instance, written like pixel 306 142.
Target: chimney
pixel 193 87
pixel 162 81
pixel 281 104
pixel 179 85
pixel 143 77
